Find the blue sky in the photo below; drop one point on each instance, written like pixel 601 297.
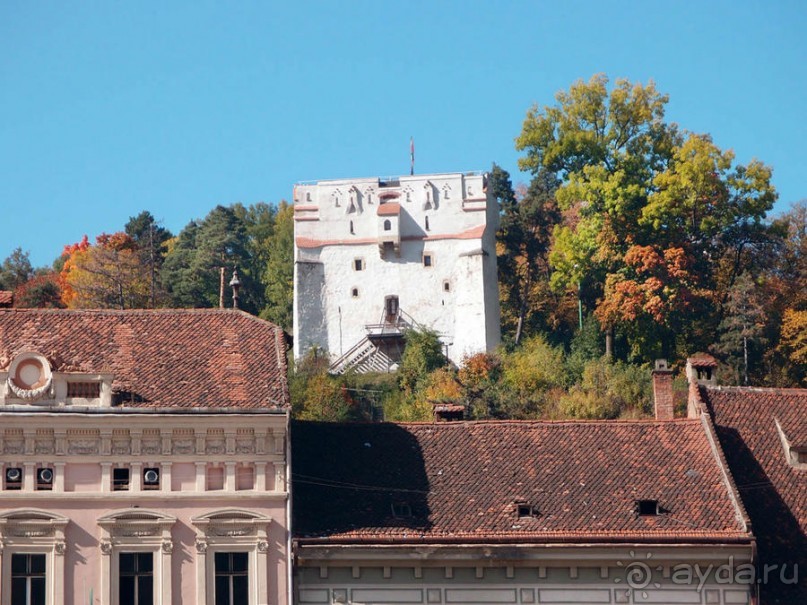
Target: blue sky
pixel 109 108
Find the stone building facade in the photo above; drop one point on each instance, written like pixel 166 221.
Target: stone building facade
pixel 374 256
pixel 142 458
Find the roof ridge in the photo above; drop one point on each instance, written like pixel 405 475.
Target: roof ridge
pixel 741 389
pixel 560 422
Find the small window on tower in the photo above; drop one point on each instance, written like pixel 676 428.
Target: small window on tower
pixel 358 264
pixel 427 260
pixel 427 223
pixel 354 292
pixel 351 227
pixel 446 286
pixel 387 225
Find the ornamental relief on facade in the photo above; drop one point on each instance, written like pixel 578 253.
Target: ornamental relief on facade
pixel 22 531
pixel 86 447
pixel 14 446
pixel 88 442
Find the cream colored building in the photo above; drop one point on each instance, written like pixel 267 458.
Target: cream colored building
pixel 375 256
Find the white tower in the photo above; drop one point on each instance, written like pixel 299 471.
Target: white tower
pixel 374 256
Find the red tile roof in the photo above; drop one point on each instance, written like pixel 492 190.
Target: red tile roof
pixel 6 298
pixel 463 481
pixel 702 360
pixel 773 491
pixel 389 209
pixel 160 358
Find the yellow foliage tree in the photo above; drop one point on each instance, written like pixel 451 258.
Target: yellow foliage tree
pixel 107 275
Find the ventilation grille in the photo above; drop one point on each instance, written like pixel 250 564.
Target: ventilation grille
pixel 85 390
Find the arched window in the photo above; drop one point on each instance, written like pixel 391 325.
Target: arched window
pixel 136 551
pixel 33 545
pixel 387 225
pixel 232 546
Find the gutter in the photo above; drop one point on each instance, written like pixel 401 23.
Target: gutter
pixel 568 541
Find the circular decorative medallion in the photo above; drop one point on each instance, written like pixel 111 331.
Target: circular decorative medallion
pixel 29 376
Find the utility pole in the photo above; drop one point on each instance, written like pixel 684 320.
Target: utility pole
pixel 221 287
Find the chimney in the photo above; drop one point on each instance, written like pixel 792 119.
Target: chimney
pixel 702 369
pixel 662 390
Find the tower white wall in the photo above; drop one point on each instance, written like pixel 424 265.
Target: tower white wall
pixel 388 227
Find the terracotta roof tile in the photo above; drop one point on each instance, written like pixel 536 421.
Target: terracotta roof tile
pixel 463 481
pixel 773 491
pixel 6 298
pixel 160 358
pixel 389 209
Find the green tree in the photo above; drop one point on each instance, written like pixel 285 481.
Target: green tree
pixel 524 242
pixel 422 354
pixel 150 240
pixel 191 271
pixel 278 275
pixel 634 190
pixel 741 331
pixel 15 270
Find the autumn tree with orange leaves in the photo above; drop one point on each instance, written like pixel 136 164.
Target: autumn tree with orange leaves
pixel 106 275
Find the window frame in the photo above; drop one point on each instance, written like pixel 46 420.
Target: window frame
pixel 32 531
pixel 232 530
pixel 136 530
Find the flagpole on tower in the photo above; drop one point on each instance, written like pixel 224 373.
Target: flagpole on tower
pixel 411 156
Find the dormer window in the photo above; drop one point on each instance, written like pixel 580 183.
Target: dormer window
pixel 647 508
pixel 401 509
pixel 526 510
pixel 30 380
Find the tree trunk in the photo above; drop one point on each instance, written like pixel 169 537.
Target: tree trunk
pixel 609 342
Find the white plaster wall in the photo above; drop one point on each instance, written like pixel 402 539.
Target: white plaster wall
pixel 326 313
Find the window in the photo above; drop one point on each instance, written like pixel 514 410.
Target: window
pixel 391 307
pixel 84 390
pixel 354 292
pixel 427 260
pixel 28 579
pixel 526 510
pixel 120 479
pixel 351 228
pixel 647 507
pixel 136 578
pixel 33 557
pixel 446 286
pixel 232 578
pixel 232 548
pixel 136 555
pixel 151 478
pixel 13 478
pixel 401 509
pixel 44 478
pixel 358 264
pixel 427 223
pixel 387 225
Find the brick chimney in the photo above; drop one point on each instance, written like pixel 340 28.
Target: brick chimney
pixel 662 390
pixel 702 369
